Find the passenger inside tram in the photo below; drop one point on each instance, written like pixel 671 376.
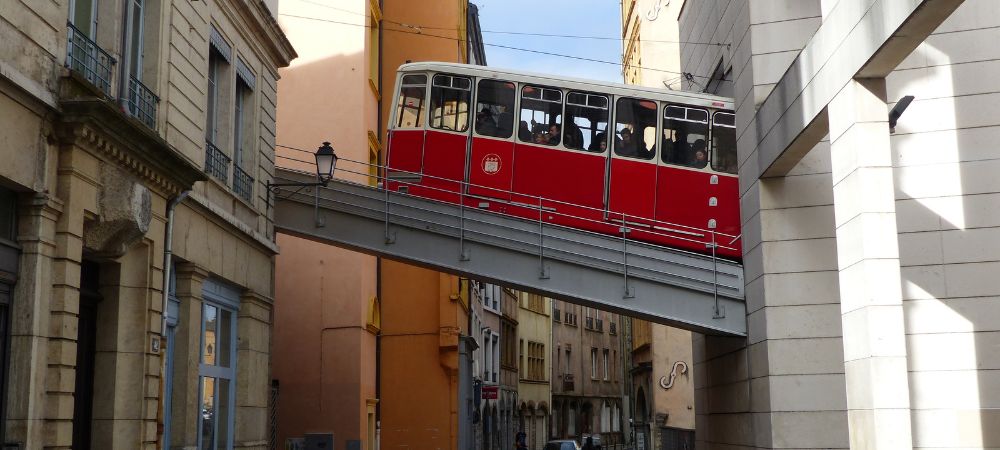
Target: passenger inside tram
pixel 553 135
pixel 625 145
pixel 698 155
pixel 485 123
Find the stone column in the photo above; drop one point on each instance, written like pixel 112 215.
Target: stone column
pixel 30 327
pixel 121 359
pixel 253 371
pixel 185 404
pixel 868 263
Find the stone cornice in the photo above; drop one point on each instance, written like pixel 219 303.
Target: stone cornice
pixel 256 15
pixel 97 124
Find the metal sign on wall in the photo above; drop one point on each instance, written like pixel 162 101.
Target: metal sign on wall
pixel 489 392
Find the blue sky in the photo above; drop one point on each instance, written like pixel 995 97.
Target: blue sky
pixel 573 17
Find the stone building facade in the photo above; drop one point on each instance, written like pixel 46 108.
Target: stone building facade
pixel 534 391
pixel 106 106
pixel 870 256
pixel 587 374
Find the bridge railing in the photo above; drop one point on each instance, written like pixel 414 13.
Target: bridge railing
pixel 373 175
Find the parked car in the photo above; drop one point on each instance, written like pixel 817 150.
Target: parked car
pixel 562 444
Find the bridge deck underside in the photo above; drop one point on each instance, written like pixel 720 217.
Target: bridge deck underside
pixel 633 278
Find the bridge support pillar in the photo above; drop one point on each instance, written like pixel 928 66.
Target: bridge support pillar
pixel 871 304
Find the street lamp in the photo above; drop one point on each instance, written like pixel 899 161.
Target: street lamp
pixel 326 163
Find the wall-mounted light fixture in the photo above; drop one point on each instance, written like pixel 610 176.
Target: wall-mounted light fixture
pixel 897 111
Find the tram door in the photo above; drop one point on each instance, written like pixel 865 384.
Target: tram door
pixel 632 184
pixel 684 192
pixel 406 138
pixel 447 140
pixel 491 160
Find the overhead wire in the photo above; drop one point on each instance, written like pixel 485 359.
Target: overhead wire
pixel 518 33
pixel 507 47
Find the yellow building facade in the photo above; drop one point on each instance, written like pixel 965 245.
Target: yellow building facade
pixel 134 168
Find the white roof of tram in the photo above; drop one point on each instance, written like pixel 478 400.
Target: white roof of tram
pixel 619 89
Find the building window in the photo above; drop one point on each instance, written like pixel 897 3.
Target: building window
pixel 606 371
pixel 374 38
pixel 524 373
pixel 508 348
pixel 374 158
pixel 243 131
pixel 536 303
pixel 217 369
pixel 371 424
pixel 217 162
pixel 536 361
pixel 593 363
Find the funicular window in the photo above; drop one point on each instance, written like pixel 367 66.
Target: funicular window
pixel 412 92
pixel 495 108
pixel 635 128
pixel 586 122
pixel 450 97
pixel 724 142
pixel 685 136
pixel 542 108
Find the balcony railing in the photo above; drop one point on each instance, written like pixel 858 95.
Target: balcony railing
pixel 141 102
pixel 242 183
pixel 85 57
pixel 216 162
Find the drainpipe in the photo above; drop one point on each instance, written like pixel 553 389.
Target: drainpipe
pixel 167 269
pixel 167 256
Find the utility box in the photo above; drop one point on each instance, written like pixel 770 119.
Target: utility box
pixel 319 441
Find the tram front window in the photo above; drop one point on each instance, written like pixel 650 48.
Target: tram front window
pixel 412 92
pixel 450 102
pixel 685 136
pixel 495 108
pixel 724 143
pixel 541 115
pixel 586 122
pixel 635 128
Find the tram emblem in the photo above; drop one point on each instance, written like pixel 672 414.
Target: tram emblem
pixel 491 164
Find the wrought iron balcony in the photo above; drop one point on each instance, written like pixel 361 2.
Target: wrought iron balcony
pixel 242 183
pixel 141 102
pixel 85 57
pixel 216 162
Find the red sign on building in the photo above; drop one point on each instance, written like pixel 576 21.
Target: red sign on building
pixel 489 392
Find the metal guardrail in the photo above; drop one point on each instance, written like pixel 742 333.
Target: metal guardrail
pixel 375 174
pixel 242 183
pixel 216 162
pixel 85 57
pixel 141 102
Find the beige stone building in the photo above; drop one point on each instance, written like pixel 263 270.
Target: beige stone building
pixel 534 389
pixel 870 250
pixel 122 121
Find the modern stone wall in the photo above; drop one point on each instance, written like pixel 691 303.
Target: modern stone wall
pixel 909 316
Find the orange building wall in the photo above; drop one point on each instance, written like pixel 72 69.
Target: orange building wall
pixel 322 353
pixel 400 44
pixel 423 316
